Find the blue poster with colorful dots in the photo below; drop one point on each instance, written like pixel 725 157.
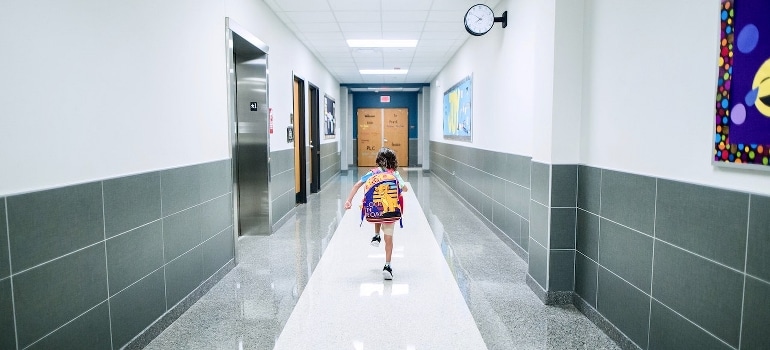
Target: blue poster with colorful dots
pixel 742 123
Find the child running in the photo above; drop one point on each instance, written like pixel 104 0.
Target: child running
pixel 387 162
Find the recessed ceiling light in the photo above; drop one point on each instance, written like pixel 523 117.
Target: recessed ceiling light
pixel 382 43
pixel 383 71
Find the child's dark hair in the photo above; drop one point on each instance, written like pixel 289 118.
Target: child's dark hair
pixel 386 158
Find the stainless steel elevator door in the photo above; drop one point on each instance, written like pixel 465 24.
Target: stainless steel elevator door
pixel 251 151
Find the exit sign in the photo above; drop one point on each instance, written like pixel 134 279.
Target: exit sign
pixel 384 99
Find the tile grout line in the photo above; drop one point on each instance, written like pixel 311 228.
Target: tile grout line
pixel 574 243
pixel 65 325
pixel 694 324
pixel 163 242
pixel 663 241
pixel 106 266
pixel 599 238
pixel 745 272
pixel 548 230
pixel 652 266
pixel 10 271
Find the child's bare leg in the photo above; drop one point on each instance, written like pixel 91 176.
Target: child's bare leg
pixel 377 228
pixel 387 229
pixel 388 248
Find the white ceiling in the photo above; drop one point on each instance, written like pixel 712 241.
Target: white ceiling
pixel 325 25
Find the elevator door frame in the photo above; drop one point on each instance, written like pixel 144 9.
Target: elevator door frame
pixel 243 36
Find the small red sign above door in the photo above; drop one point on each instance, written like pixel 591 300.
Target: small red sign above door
pixel 384 99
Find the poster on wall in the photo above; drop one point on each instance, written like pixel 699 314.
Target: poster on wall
pixel 330 123
pixel 458 113
pixel 742 120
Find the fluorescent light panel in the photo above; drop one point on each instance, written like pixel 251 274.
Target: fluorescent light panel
pixel 382 43
pixel 383 71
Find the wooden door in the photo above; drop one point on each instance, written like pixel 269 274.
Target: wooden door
pixel 377 128
pixel 396 133
pixel 369 136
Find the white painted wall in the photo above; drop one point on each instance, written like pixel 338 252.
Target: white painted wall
pixel 95 90
pixel 646 88
pixel 287 57
pixel 650 83
pixel 501 63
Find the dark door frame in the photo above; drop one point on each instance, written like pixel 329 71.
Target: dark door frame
pixel 315 139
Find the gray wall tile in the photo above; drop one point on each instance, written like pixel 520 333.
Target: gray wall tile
pixel 517 199
pixel 700 290
pixel 758 259
pixel 525 234
pixel 48 224
pixel 756 315
pixel 503 218
pixel 216 179
pixel 538 264
pixel 216 215
pixel 89 331
pixel 79 278
pixel 135 308
pixel 183 275
pixel 562 230
pixel 217 251
pixel 130 202
pixel 587 241
pixel 589 188
pixel 133 255
pixel 181 232
pixel 585 278
pixel 539 223
pixel 625 306
pixel 7 332
pixel 708 221
pixel 627 253
pixel 670 331
pixel 508 222
pixel 562 271
pixel 180 189
pixel 564 185
pixel 636 211
pixel 541 180
pixel 522 169
pixel 5 263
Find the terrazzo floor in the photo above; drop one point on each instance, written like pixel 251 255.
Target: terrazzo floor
pixel 456 285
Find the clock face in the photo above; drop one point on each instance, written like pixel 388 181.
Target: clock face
pixel 479 19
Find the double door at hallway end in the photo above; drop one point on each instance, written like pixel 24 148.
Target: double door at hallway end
pixel 382 127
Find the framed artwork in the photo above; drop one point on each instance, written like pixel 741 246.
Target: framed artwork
pixel 742 120
pixel 458 111
pixel 330 121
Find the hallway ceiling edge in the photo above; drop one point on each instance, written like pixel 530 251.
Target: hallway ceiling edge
pixel 323 26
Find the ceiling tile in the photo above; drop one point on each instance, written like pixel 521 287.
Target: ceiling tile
pixel 354 5
pixel 405 16
pixel 357 16
pixel 413 5
pixel 309 16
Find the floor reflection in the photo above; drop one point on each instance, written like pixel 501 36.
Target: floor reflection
pixel 250 306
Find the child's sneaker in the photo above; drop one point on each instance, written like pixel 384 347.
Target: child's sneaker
pixel 387 273
pixel 375 241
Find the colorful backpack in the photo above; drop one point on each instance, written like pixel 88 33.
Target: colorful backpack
pixel 382 198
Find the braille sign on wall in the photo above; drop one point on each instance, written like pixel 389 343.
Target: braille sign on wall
pixel 253 106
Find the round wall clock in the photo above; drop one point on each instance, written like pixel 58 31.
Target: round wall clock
pixel 479 19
